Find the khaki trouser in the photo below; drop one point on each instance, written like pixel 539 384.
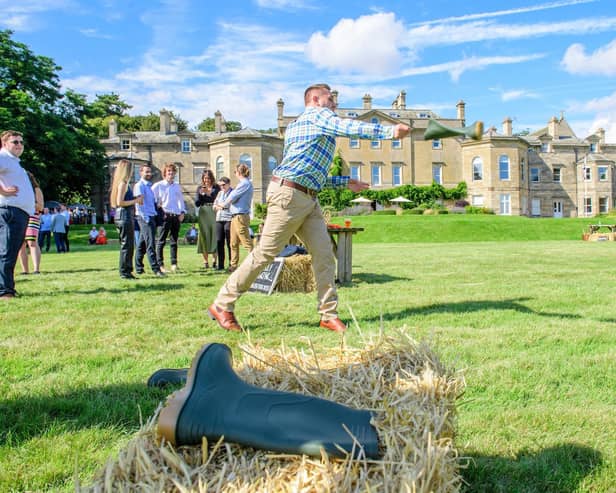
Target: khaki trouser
pixel 240 234
pixel 289 212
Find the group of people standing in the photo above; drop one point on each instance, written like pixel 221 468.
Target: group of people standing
pixel 159 209
pixel 224 217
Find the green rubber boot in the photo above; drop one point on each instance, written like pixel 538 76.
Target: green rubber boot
pixel 215 402
pixel 168 376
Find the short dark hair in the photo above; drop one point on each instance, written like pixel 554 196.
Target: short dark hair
pixel 314 87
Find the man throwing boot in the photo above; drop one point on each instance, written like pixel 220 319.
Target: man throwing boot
pixel 292 206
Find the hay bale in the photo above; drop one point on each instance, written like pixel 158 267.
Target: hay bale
pixel 410 392
pixel 296 275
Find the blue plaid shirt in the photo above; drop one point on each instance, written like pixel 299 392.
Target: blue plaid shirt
pixel 310 142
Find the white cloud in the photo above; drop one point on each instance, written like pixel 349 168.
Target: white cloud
pixel 601 62
pixel 604 116
pixel 514 94
pixel 458 67
pixel 520 10
pixel 452 34
pixel 90 85
pixel 347 46
pixel 284 4
pixel 25 15
pixel 94 33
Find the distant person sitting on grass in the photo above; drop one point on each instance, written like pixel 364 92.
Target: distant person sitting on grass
pixel 92 236
pixel 101 239
pixel 191 235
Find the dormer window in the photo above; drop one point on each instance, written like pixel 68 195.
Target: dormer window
pixel 186 145
pixel 593 147
pixel 125 144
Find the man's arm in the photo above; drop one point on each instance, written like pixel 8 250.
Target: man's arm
pixel 10 191
pixel 237 192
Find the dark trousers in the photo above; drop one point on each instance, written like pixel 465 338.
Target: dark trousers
pixel 44 239
pixel 125 223
pixel 60 241
pixel 13 223
pixel 67 247
pixel 171 228
pixel 223 236
pixel 147 244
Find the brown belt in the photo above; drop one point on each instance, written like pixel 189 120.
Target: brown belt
pixel 291 184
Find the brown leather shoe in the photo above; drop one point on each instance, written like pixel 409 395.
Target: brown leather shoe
pixel 225 319
pixel 334 324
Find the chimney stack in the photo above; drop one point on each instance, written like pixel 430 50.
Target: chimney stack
pixel 553 128
pixel 461 111
pixel 335 96
pixel 367 99
pixel 507 130
pixel 113 129
pixel 165 121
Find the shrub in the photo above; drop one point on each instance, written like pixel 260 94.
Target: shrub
pixel 414 210
pixel 471 209
pixel 386 212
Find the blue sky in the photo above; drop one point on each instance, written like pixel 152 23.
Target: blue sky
pixel 528 60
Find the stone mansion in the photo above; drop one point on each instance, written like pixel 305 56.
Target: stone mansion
pixel 550 172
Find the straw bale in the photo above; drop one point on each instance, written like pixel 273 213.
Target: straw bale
pixel 296 275
pixel 411 393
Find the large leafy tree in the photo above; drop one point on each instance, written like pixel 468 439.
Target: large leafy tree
pixel 110 107
pixel 62 149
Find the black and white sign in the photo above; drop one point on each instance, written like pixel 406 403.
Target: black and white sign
pixel 266 282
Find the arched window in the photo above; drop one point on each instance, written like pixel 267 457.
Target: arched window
pixel 374 120
pixel 477 169
pixel 271 163
pixel 220 167
pixel 247 160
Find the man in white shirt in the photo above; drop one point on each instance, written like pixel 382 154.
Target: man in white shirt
pixel 168 195
pixel 16 205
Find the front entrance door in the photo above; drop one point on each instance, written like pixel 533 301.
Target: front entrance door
pixel 558 208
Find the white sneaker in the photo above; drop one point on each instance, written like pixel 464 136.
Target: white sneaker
pixel 174 268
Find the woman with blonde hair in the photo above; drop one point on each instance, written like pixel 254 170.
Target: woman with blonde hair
pixel 206 194
pixel 32 231
pixel 122 199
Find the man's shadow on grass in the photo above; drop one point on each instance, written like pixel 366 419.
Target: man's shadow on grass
pixel 374 278
pixel 112 406
pixel 469 306
pixel 153 286
pixel 550 470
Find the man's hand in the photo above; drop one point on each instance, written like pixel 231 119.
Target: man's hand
pixel 357 186
pixel 401 130
pixel 11 191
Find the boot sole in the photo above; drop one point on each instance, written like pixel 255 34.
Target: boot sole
pixel 170 414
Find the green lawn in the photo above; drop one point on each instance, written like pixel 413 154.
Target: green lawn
pixel 529 318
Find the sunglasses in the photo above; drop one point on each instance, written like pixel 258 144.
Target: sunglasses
pixel 16 142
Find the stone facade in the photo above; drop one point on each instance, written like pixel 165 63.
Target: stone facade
pixel 550 172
